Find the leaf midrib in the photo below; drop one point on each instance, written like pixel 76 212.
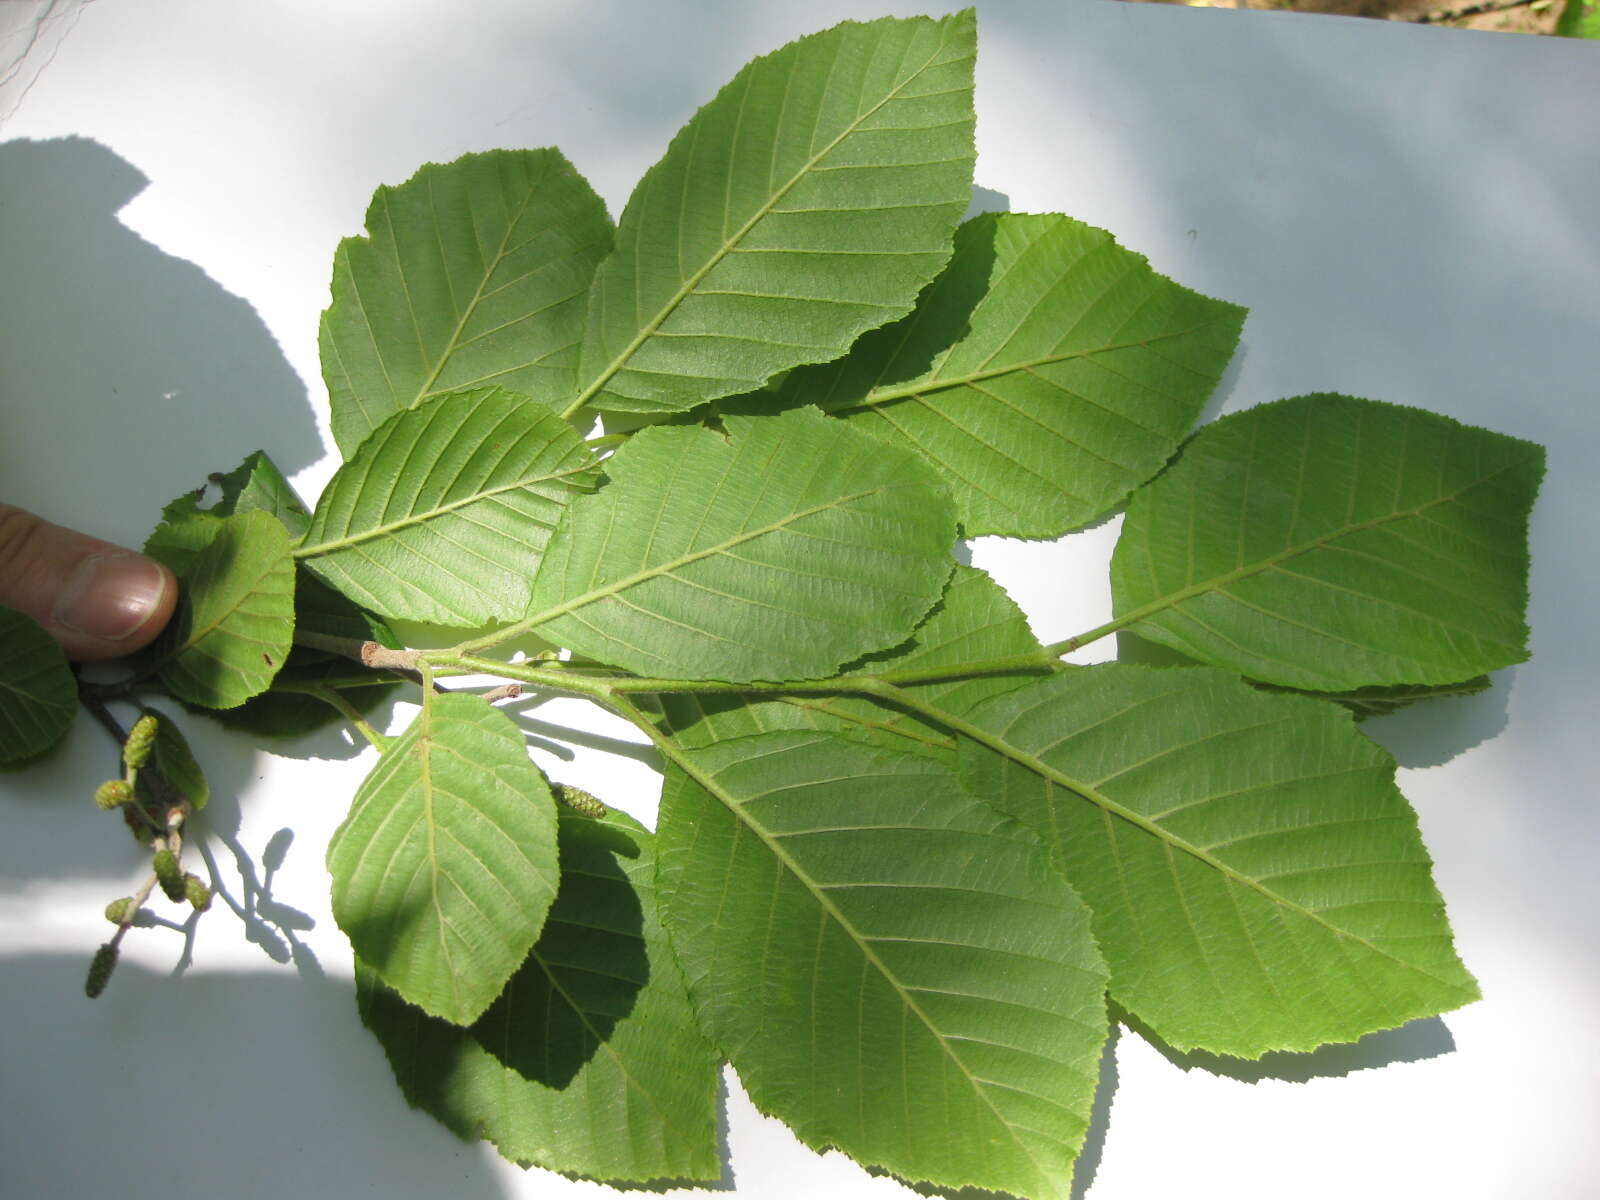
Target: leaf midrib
pixel 818 892
pixel 198 634
pixel 1005 748
pixel 643 576
pixel 685 289
pixel 1220 582
pixel 471 307
pixel 425 779
pixel 602 1040
pixel 921 388
pixel 419 518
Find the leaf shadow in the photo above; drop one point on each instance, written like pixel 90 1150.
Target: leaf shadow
pixel 261 1076
pixel 583 976
pixel 1427 732
pixel 986 200
pixel 558 739
pixel 1415 1041
pixel 1431 732
pixel 585 972
pixel 125 361
pixel 268 922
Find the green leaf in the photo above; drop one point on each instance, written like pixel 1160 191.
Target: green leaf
pixel 1046 373
pixel 171 756
pixel 1363 703
pixel 1257 880
pixel 1330 543
pixel 235 628
pixel 1579 19
pixel 320 609
pixel 286 709
pixel 892 967
pixel 475 272
pixel 975 621
pixel 807 203
pixel 256 484
pixel 590 1060
pixel 38 694
pixel 446 866
pixel 779 550
pixel 185 530
pixel 442 513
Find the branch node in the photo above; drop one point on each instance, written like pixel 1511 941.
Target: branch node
pixel 375 655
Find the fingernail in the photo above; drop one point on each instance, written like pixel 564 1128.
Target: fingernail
pixel 110 596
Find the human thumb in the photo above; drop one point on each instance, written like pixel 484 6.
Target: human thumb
pixel 96 599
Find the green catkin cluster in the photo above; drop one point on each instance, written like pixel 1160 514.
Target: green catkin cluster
pixel 169 875
pixel 136 750
pixel 580 800
pixel 113 793
pixel 196 893
pixel 118 910
pixel 100 968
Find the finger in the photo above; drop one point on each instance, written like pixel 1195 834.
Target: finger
pixel 96 599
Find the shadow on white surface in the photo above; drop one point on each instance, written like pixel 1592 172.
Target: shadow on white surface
pixel 269 1086
pixel 125 367
pixel 1415 1041
pixel 1432 732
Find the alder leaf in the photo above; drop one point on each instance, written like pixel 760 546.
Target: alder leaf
pixel 778 550
pixel 1363 703
pixel 892 967
pixel 255 484
pixel 234 629
pixel 974 621
pixel 1382 701
pixel 475 272
pixel 184 531
pixel 38 694
pixel 807 203
pixel 284 709
pixel 1046 373
pixel 1257 880
pixel 170 754
pixel 446 866
pixel 441 514
pixel 1331 544
pixel 287 709
pixel 590 1060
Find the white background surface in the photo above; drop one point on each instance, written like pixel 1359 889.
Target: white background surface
pixel 1408 212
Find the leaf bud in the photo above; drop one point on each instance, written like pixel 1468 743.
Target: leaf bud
pixel 119 910
pixel 576 798
pixel 196 892
pixel 113 793
pixel 140 739
pixel 169 875
pixel 100 968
